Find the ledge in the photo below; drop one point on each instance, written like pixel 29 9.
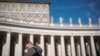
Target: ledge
pixel 46 26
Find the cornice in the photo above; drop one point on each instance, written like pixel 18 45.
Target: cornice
pixel 55 27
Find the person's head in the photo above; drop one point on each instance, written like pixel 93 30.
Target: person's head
pixel 29 45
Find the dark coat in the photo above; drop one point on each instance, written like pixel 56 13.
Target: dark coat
pixel 33 51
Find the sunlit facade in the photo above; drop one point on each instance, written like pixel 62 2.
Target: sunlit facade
pixel 21 22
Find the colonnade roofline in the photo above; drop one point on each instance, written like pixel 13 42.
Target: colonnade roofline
pixel 49 26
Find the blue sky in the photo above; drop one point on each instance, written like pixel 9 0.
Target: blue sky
pixel 75 9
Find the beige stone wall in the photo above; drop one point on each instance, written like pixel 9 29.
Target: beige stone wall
pixel 25 11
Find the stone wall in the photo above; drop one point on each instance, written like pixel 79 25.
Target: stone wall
pixel 30 12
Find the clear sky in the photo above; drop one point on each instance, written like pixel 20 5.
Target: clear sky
pixel 75 9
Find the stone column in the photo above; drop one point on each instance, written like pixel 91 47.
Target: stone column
pixel 20 44
pixel 69 49
pixel 73 46
pixel 31 38
pixel 49 50
pixel 18 47
pixel 52 45
pixel 42 44
pixel 59 49
pixel 82 46
pixel 93 46
pixel 98 47
pixel 6 47
pixel 62 46
pixel 78 50
pixel 88 49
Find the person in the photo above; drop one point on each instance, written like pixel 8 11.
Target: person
pixel 32 50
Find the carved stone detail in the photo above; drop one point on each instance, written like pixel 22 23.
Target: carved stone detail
pixel 25 11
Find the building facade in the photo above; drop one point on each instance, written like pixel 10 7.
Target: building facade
pixel 22 22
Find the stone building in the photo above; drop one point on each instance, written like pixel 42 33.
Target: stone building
pixel 22 21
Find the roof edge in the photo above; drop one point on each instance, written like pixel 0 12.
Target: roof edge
pixel 27 2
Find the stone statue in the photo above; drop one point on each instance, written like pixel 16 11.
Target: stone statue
pixel 70 20
pixel 89 20
pixel 79 21
pixel 61 20
pixel 99 21
pixel 51 19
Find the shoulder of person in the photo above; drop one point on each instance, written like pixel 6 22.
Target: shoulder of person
pixel 32 50
pixel 38 47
